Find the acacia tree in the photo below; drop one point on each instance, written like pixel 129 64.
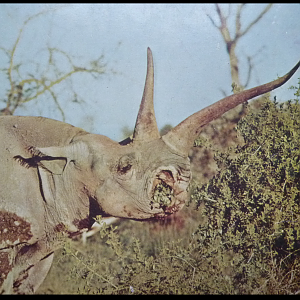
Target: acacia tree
pixel 25 88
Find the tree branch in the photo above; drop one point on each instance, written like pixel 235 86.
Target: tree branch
pixel 224 28
pixel 267 8
pixel 36 85
pixel 238 21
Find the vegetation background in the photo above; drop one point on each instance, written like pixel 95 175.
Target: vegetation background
pixel 239 233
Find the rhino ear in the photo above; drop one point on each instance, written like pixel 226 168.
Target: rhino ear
pixel 52 159
pixel 55 159
pixel 56 165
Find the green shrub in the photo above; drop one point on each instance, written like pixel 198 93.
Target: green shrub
pixel 252 205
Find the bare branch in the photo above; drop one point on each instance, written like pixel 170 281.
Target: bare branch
pixel 32 86
pixel 58 105
pixel 238 21
pixel 231 43
pixel 221 15
pixel 223 28
pixel 250 68
pixel 55 82
pixel 212 21
pixel 267 8
pixel 12 52
pixel 250 59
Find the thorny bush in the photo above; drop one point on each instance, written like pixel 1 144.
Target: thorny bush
pixel 252 205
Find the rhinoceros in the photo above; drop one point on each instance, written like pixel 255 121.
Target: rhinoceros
pixel 56 178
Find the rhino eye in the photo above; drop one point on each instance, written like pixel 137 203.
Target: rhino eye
pixel 125 165
pixel 123 169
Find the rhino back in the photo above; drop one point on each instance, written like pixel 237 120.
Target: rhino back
pixel 38 131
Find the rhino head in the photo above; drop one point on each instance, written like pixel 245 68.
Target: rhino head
pixel 146 175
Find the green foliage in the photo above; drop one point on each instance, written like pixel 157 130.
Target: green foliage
pixel 162 195
pixel 252 205
pixel 241 230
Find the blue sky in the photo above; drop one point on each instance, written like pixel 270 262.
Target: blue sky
pixel 190 59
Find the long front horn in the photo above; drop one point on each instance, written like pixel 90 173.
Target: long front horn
pixel 181 138
pixel 145 126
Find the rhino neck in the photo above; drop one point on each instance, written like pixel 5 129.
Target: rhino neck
pixel 68 210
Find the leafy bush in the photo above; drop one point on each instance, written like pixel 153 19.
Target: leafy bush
pixel 240 232
pixel 252 205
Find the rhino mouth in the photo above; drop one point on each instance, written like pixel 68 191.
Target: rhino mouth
pixel 164 194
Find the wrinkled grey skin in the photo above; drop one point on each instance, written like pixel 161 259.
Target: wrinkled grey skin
pixel 55 178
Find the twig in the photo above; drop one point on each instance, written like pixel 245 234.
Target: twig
pixel 178 257
pixel 90 269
